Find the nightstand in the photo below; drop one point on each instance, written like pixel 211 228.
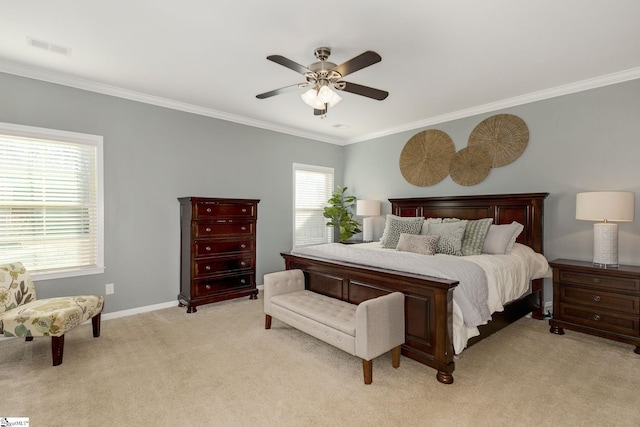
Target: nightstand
pixel 597 301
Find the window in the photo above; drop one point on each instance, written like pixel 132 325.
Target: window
pixel 312 187
pixel 51 216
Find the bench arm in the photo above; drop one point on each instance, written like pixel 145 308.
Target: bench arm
pixel 379 325
pixel 281 282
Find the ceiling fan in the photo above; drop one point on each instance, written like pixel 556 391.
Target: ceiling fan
pixel 323 75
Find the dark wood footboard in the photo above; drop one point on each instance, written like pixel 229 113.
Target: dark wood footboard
pixel 428 304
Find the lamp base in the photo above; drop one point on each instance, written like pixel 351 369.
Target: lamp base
pixel 604 266
pixel 367 229
pixel 605 245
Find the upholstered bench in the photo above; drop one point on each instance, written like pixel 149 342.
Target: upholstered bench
pixel 366 330
pixel 22 315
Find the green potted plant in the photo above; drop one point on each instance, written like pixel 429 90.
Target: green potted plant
pixel 340 214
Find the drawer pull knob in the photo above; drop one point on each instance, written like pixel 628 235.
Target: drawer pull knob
pixel 596 280
pixel 208 230
pixel 208 209
pixel 208 267
pixel 208 248
pixel 596 298
pixel 208 286
pixel 242 281
pixel 243 246
pixel 243 228
pixel 596 317
pixel 242 263
pixel 244 210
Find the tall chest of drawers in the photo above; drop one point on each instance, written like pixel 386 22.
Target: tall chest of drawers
pixel 217 250
pixel 597 301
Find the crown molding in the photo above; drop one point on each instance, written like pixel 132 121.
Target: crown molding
pixel 78 83
pixel 583 85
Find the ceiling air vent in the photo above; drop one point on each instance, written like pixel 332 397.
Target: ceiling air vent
pixel 51 47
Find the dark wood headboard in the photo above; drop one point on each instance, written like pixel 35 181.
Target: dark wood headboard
pixel 527 209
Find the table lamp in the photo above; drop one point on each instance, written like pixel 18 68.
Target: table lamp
pixel 367 209
pixel 605 206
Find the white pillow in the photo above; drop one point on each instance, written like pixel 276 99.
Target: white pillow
pixel 425 226
pixel 500 238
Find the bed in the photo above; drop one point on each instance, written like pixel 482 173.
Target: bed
pixel 429 305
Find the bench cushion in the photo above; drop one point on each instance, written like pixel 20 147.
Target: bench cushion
pixel 339 315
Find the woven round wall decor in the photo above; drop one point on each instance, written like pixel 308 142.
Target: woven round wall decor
pixel 503 136
pixel 470 165
pixel 425 158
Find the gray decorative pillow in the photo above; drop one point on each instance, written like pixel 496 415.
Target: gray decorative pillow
pixel 425 226
pixel 397 225
pixel 501 238
pixel 451 235
pixel 474 235
pixel 419 244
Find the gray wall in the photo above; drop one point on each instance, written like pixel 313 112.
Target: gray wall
pixel 589 141
pixel 152 156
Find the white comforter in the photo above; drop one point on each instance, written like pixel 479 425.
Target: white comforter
pixel 507 277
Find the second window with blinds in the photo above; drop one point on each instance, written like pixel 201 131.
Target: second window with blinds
pixel 312 187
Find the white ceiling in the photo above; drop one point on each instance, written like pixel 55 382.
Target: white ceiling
pixel 441 60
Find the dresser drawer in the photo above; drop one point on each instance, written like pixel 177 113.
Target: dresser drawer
pixel 603 320
pixel 207 248
pixel 602 281
pixel 205 210
pixel 206 287
pixel 601 300
pixel 211 266
pixel 223 228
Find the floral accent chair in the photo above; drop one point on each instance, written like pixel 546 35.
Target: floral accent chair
pixel 22 315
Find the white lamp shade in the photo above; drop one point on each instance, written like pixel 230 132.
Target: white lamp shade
pixel 605 206
pixel 368 207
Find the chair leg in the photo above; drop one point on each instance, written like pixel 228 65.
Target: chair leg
pixel 57 349
pixel 267 321
pixel 395 357
pixel 367 367
pixel 95 322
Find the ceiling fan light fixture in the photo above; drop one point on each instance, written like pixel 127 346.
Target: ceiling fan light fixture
pixel 317 99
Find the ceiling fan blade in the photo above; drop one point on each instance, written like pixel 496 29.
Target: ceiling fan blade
pixel 285 62
pixel 367 91
pixel 281 90
pixel 358 63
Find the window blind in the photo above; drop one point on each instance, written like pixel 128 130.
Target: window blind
pixel 50 204
pixel 313 187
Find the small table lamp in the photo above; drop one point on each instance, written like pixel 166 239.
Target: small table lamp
pixel 605 206
pixel 367 209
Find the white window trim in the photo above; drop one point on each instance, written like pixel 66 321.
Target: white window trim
pixel 297 166
pixel 78 138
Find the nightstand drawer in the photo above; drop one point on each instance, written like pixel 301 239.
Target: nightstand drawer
pixel 602 280
pixel 601 300
pixel 601 319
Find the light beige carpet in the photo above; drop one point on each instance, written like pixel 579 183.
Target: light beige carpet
pixel 220 367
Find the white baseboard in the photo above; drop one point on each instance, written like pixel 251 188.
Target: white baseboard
pixel 137 310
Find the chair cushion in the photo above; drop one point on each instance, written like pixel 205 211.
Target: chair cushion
pixel 50 317
pixel 16 286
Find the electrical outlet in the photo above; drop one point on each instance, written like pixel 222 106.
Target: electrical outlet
pixel 110 289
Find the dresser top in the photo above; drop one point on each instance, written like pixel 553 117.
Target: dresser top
pixel 588 265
